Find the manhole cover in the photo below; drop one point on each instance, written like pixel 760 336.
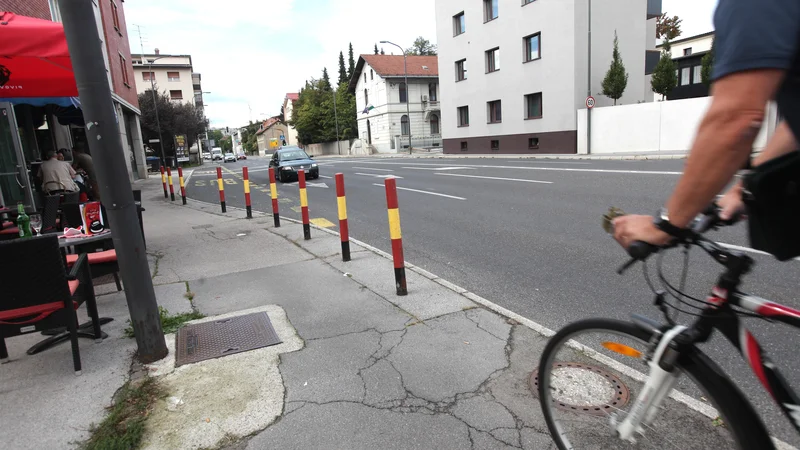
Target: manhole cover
pixel 586 389
pixel 223 337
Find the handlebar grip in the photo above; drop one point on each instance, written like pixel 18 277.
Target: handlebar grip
pixel 640 250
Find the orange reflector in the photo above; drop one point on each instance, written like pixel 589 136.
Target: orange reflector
pixel 622 349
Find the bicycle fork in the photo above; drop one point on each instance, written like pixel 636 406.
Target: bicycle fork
pixel 660 381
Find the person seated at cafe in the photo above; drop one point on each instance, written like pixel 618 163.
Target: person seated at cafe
pixel 82 161
pixel 57 176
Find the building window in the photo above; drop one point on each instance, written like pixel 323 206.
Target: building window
pixel 403 93
pixel 115 15
pixel 459 24
pixel 461 70
pixel 533 106
pixel 489 10
pixel 434 124
pixel 463 116
pixel 525 2
pixel 405 129
pixel 697 76
pixel 685 76
pixel 533 47
pixel 493 60
pixel 687 51
pixel 147 76
pixel 365 77
pixel 366 98
pixel 432 92
pixel 173 76
pixel 494 112
pixel 463 146
pixel 533 143
pixel 176 94
pixel 371 74
pixel 124 67
pixel 495 145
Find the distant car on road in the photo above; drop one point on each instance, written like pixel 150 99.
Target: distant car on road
pixel 288 160
pixel 230 157
pixel 241 156
pixel 216 154
pixel 207 156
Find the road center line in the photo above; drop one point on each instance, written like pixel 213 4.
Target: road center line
pixel 372 168
pixel 375 175
pixel 323 176
pixel 439 168
pixel 561 169
pixel 494 178
pixel 423 192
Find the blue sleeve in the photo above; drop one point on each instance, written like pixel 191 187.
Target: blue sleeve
pixel 755 34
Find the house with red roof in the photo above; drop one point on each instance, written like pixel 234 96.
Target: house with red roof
pixel 391 113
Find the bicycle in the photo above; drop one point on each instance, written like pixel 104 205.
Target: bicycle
pixel 592 399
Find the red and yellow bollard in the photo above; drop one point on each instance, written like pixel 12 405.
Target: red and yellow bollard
pixel 396 236
pixel 164 182
pixel 221 189
pixel 273 190
pixel 301 180
pixel 171 187
pixel 182 184
pixel 344 231
pixel 248 205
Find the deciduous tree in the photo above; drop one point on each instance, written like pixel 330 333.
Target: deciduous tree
pixel 668 27
pixel 422 47
pixel 708 64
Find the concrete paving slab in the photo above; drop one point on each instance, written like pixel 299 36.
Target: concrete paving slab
pixel 382 384
pixel 483 414
pixel 426 299
pixel 44 404
pixel 328 304
pixel 329 369
pixel 447 356
pixel 485 441
pixel 489 322
pixel 354 426
pixel 222 398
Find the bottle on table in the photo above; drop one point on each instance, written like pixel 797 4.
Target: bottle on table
pixel 23 222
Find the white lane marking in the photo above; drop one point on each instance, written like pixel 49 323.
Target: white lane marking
pixel 318 185
pixel 375 175
pixel 323 176
pixel 748 249
pixel 494 178
pixel 561 169
pixel 423 192
pixel 258 169
pixel 372 168
pixel 440 168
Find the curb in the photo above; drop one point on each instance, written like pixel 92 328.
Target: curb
pixel 610 157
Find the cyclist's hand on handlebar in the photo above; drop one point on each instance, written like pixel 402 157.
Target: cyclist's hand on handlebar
pixel 632 228
pixel 731 204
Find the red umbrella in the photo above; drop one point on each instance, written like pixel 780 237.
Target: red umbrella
pixel 34 58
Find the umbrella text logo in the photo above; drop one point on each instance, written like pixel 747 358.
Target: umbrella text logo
pixel 5 75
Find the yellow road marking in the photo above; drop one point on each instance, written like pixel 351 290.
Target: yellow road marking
pixel 321 222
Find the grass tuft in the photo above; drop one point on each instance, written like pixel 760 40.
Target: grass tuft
pixel 169 324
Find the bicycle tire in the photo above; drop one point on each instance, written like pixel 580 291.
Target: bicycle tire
pixel 747 430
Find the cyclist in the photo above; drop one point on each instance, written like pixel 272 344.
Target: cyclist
pixel 756 60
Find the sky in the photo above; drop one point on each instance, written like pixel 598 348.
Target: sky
pixel 252 52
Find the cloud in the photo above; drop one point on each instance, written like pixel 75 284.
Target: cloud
pixel 252 52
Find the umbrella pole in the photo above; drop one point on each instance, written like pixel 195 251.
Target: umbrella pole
pixel 102 132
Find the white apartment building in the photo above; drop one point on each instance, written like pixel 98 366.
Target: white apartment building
pixel 172 74
pixel 515 72
pixel 383 102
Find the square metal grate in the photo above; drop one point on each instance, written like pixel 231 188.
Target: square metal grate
pixel 209 340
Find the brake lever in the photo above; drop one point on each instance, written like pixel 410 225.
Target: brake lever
pixel 627 266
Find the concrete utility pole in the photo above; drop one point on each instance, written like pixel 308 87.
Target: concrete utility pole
pixel 155 107
pixel 408 96
pixel 102 132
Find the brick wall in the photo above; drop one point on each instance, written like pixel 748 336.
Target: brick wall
pixel 31 8
pixel 116 38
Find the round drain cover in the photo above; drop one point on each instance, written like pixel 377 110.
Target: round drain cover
pixel 582 388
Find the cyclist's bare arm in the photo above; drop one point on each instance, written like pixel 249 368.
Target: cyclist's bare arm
pixel 724 140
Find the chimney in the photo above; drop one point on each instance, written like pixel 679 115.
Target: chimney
pixel 158 52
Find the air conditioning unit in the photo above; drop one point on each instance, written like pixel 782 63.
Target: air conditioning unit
pixel 424 99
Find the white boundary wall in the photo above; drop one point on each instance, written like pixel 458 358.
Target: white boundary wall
pixel 667 127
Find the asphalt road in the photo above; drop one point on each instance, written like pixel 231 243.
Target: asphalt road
pixel 526 235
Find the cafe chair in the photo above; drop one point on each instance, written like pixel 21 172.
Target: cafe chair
pixel 102 263
pixel 39 295
pixel 50 213
pixel 71 215
pixel 8 231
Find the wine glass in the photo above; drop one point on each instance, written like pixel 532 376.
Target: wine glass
pixel 36 223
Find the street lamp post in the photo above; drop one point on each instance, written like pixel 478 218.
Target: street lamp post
pixel 155 106
pixel 408 99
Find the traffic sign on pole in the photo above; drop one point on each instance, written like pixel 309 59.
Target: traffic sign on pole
pixel 590 102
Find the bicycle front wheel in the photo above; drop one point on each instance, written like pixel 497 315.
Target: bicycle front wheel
pixel 590 376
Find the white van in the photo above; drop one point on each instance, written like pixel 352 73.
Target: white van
pixel 216 153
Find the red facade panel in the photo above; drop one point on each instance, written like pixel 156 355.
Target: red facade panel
pixel 119 50
pixel 39 9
